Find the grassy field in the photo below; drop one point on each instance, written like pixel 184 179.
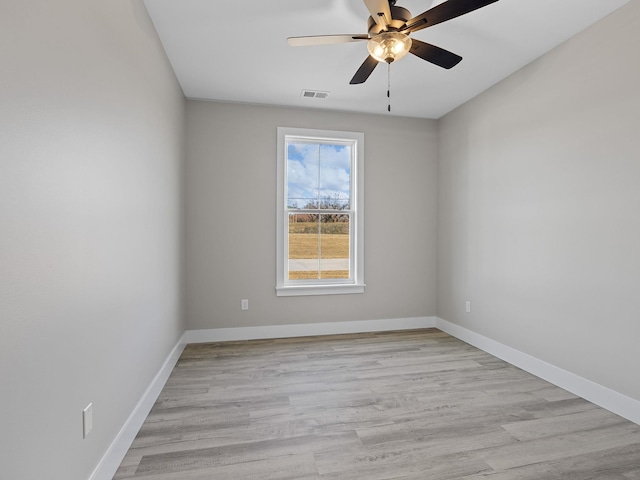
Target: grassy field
pixel 313 274
pixel 334 228
pixel 304 240
pixel 305 243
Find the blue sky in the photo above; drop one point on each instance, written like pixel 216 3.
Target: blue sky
pixel 317 171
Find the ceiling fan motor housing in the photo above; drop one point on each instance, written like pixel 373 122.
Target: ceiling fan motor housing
pixel 400 17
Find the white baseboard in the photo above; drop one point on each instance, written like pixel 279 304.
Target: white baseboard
pixel 604 397
pixel 112 459
pixel 307 330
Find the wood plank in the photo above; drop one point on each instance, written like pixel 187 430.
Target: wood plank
pixel 379 406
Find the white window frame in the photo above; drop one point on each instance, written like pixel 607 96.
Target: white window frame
pixel 286 287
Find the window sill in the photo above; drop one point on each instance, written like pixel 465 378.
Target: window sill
pixel 299 290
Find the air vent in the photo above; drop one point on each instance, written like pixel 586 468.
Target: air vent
pixel 314 94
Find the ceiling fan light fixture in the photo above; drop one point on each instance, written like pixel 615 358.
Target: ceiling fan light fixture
pixel 389 46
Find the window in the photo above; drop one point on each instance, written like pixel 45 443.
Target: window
pixel 320 244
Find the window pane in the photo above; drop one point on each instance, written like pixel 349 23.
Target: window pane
pixel 335 176
pixel 319 246
pixel 304 245
pixel 302 175
pixel 318 175
pixel 334 246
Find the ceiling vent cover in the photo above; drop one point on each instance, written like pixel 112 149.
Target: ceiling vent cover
pixel 314 94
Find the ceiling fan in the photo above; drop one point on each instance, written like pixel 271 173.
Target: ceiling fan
pixel 388 34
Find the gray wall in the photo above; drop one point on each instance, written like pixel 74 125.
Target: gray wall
pixel 539 207
pixel 231 217
pixel 91 152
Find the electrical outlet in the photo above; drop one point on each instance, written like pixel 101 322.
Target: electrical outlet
pixel 467 307
pixel 87 420
pixel 245 304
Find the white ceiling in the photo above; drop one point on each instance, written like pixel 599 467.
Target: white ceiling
pixel 236 51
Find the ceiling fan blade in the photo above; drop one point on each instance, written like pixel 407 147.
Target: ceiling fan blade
pixel 380 11
pixel 443 12
pixel 325 39
pixel 364 71
pixel 436 55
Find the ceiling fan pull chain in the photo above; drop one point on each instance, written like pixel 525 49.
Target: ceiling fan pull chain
pixel 388 87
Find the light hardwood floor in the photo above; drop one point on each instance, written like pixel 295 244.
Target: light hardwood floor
pixel 402 405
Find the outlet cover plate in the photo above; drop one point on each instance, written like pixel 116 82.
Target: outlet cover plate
pixel 87 420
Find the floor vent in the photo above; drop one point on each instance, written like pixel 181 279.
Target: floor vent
pixel 314 94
